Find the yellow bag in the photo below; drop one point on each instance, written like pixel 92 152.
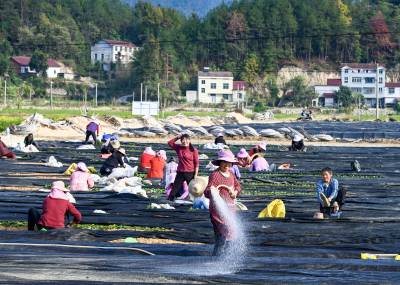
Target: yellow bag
pixel 275 209
pixel 92 170
pixel 71 169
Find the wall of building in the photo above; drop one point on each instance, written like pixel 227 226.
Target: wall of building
pixel 205 91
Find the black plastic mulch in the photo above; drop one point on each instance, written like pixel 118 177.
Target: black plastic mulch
pixel 297 249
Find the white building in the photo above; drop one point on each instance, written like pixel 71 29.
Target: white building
pixel 364 78
pixel 361 78
pixel 326 93
pixel 217 87
pixel 112 51
pixel 22 68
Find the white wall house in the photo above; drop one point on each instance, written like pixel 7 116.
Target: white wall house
pixel 21 66
pixel 217 87
pixel 326 93
pixel 214 86
pixel 392 93
pixel 363 79
pixel 112 51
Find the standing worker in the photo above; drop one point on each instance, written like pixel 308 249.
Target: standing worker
pixel 92 129
pixel 188 165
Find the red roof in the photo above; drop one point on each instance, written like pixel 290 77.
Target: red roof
pixel 21 60
pixel 362 65
pixel 329 95
pixel 334 82
pixel 393 84
pixel 25 60
pixel 239 85
pixel 119 43
pixel 53 63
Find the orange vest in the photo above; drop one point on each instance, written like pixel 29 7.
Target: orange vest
pixel 145 160
pixel 157 168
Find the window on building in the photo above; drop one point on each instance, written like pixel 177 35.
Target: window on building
pixel 102 57
pixel 240 96
pixel 346 80
pixel 380 71
pixel 380 89
pixel 369 90
pixel 380 79
pixel 203 90
pixel 369 80
pixel 391 90
pixel 203 82
pixel 95 56
pixel 359 71
pixel 213 85
pixel 356 79
pixel 226 86
pixel 225 96
pixel 346 71
pixel 356 89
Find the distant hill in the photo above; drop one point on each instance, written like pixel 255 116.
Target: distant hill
pixel 199 7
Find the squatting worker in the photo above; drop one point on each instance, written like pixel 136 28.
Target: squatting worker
pixel 330 196
pixel 81 180
pixel 188 165
pixel 114 161
pixel 297 143
pixel 55 207
pixel 92 129
pixel 222 184
pixel 220 139
pixel 30 141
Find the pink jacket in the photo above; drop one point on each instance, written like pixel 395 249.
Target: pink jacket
pixel 80 181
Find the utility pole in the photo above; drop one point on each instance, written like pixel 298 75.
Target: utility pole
pixel 141 93
pixel 95 98
pixel 51 94
pixel 166 71
pixel 158 97
pixel 376 93
pixel 5 91
pixel 133 100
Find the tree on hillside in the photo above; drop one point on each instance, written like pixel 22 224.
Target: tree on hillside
pixel 299 93
pixel 39 62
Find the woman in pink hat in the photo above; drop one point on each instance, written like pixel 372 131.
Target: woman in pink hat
pixel 260 148
pixel 243 158
pixel 81 180
pixel 55 207
pixel 222 182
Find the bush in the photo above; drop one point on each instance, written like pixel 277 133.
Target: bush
pixel 259 107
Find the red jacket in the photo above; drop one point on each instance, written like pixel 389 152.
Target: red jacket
pixel 54 211
pixel 188 159
pixel 4 151
pixel 156 170
pixel 145 159
pixel 216 179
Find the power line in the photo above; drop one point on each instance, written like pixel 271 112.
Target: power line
pixel 209 40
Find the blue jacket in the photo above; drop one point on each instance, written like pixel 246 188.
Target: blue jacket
pixel 330 190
